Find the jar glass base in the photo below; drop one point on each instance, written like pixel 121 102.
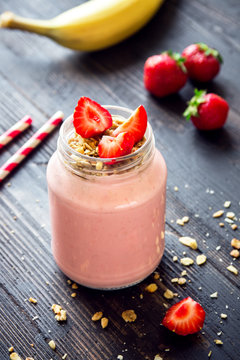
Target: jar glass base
pixel 107 287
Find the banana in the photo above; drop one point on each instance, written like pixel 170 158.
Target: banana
pixel 93 25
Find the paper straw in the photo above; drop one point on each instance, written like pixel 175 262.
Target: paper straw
pixel 15 130
pixel 31 144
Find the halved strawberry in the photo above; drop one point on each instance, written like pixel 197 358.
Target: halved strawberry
pixel 184 318
pixel 90 118
pixel 111 147
pixel 136 125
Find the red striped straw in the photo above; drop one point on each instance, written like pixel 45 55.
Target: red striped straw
pixel 31 144
pixel 15 130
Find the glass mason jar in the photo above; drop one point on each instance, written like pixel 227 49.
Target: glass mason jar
pixel 107 215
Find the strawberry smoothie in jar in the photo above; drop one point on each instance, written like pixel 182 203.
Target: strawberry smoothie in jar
pixel 107 213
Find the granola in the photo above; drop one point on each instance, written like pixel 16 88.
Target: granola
pixel 223 316
pixel 32 300
pixel 214 295
pixel 129 315
pixel 97 316
pixel 235 253
pixel 218 342
pixel 232 269
pixel 60 314
pixel 227 204
pixel 151 288
pixel 188 241
pixel 158 357
pixel 14 356
pixel 235 243
pixel 186 261
pixel 218 213
pixel 104 322
pixel 168 294
pixel 89 147
pixel 181 281
pixel 201 259
pixel 52 344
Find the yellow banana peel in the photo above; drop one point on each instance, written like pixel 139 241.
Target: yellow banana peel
pixel 93 25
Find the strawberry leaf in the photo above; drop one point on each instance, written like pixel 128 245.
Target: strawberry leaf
pixel 210 51
pixel 193 104
pixel 180 60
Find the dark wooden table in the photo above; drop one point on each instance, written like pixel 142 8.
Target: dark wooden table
pixel 38 77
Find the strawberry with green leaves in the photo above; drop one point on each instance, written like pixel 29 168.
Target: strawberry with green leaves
pixel 185 317
pixel 165 74
pixel 202 62
pixel 207 111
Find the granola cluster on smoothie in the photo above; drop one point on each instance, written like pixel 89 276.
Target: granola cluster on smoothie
pixel 99 134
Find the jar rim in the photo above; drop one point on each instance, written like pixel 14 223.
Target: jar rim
pixel 125 157
pixel 68 152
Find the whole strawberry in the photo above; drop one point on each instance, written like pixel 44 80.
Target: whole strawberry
pixel 202 62
pixel 207 111
pixel 164 74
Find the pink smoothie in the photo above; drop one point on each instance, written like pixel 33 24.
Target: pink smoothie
pixel 108 232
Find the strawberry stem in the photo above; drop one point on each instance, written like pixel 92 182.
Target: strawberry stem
pixel 178 58
pixel 210 51
pixel 193 104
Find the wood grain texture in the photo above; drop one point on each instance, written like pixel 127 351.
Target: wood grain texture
pixel 38 77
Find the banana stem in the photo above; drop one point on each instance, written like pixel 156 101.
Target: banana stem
pixel 10 20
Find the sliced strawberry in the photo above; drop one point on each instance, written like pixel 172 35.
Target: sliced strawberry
pixel 90 118
pixel 136 125
pixel 111 147
pixel 184 318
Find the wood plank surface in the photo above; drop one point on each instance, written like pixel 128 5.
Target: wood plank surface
pixel 38 77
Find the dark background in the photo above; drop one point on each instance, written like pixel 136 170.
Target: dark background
pixel 38 77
